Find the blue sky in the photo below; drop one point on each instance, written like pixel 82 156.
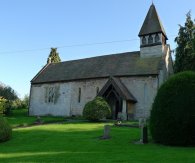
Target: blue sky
pixel 29 28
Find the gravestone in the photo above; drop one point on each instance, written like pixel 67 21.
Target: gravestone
pixel 144 131
pixel 38 120
pixel 145 135
pixel 142 121
pixel 106 132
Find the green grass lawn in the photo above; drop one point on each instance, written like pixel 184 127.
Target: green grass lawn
pixel 20 118
pixel 79 142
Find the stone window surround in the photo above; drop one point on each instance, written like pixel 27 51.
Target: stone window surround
pixel 49 95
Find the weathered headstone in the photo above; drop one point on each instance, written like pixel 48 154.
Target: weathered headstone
pixel 144 131
pixel 38 120
pixel 145 134
pixel 142 121
pixel 106 132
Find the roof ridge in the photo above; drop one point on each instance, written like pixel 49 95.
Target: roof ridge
pixel 126 64
pixel 101 56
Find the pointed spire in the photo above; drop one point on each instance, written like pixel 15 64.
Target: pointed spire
pixel 152 23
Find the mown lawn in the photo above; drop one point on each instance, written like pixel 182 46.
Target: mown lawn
pixel 79 142
pixel 20 118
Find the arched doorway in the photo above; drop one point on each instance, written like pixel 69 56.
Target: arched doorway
pixel 115 103
pixel 115 92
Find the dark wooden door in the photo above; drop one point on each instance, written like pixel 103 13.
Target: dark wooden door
pixel 114 103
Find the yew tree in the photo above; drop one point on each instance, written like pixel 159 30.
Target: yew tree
pixel 185 51
pixel 53 56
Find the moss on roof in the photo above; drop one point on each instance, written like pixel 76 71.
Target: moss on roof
pixel 122 64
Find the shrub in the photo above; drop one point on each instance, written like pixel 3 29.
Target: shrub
pixel 2 105
pixel 172 118
pixel 8 108
pixel 5 106
pixel 5 130
pixel 96 109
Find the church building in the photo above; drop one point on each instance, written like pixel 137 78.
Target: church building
pixel 128 81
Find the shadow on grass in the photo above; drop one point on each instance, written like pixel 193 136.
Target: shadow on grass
pixel 44 142
pixel 60 156
pixel 81 143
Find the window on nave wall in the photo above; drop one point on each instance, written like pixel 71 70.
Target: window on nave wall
pixel 51 94
pixel 97 90
pixel 79 95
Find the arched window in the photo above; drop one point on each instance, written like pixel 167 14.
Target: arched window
pixel 144 40
pixel 51 95
pixel 150 39
pixel 157 38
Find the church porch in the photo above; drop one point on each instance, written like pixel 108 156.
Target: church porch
pixel 119 98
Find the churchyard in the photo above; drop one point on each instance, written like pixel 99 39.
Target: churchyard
pixel 77 141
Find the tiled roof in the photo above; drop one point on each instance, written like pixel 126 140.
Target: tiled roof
pixel 122 64
pixel 152 23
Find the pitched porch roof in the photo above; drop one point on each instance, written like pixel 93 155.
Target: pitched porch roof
pixel 119 87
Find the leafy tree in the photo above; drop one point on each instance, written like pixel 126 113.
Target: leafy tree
pixel 17 104
pixel 8 93
pixel 185 51
pixel 53 56
pixel 7 98
pixel 2 105
pixel 25 101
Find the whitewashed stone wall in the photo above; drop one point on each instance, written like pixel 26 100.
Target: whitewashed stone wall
pixel 38 106
pixel 67 103
pixel 167 69
pixel 88 92
pixel 144 89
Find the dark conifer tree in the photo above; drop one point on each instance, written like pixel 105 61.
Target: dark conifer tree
pixel 53 56
pixel 185 51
